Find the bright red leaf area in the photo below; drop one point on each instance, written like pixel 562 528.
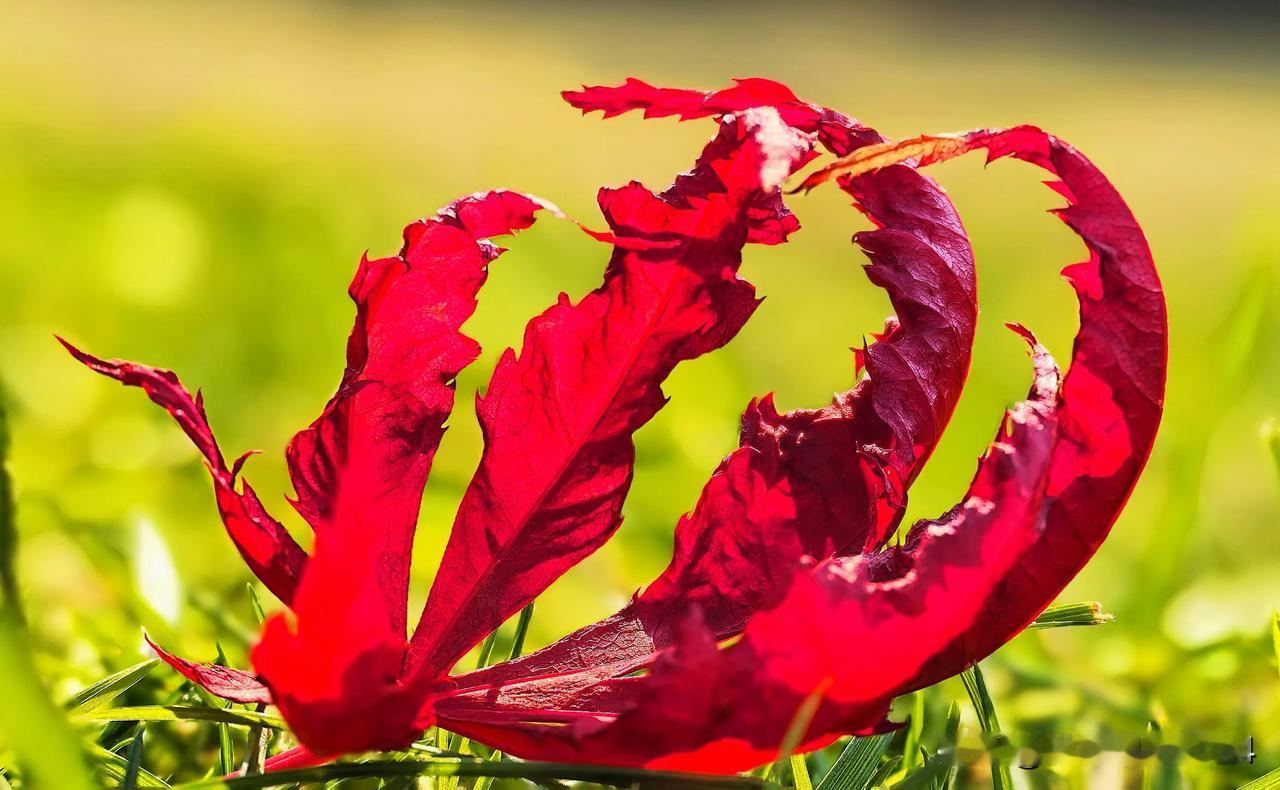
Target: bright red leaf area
pixel 783 594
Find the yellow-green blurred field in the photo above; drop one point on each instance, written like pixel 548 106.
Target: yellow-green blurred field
pixel 192 186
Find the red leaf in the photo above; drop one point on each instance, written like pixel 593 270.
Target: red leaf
pixel 225 682
pixel 835 131
pixel 268 549
pixel 811 482
pixel 848 633
pixel 1110 409
pixel 785 547
pixel 558 418
pixel 405 342
pixel 360 470
pixel 1113 395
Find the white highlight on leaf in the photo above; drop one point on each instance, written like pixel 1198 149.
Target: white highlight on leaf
pixel 781 144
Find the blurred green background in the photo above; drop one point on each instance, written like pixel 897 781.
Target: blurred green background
pixel 192 185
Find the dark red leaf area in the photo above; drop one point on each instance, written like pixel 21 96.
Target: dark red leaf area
pixel 558 417
pixel 1112 397
pixel 268 549
pixel 1081 473
pixel 811 483
pixel 844 634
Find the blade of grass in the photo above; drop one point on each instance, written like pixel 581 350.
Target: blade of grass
pixel 486 650
pixel 857 764
pixel 517 650
pixel 800 722
pixel 933 768
pixel 1239 338
pixel 522 630
pixel 134 761
pixel 34 727
pixel 911 746
pixel 31 725
pixel 1270 781
pixel 181 713
pixel 222 618
pixel 800 773
pixel 1160 773
pixel 255 757
pixel 882 774
pixel 8 527
pixel 255 753
pixel 796 729
pixel 950 741
pixel 534 772
pixel 114 766
pixel 254 603
pixel 226 748
pixel 100 694
pixel 455 742
pixel 1071 614
pixel 1275 635
pixel 976 686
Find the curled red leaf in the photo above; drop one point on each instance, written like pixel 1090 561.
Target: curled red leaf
pixel 1113 395
pixel 783 609
pixel 268 549
pixel 847 634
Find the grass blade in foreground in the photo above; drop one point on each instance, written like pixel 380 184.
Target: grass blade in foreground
pixel 34 728
pixel 1001 779
pixel 113 766
pixel 100 694
pixel 1071 614
pixel 1269 781
pixel 535 772
pixel 950 742
pixel 517 649
pixel 135 761
pixel 1275 634
pixel 800 773
pixel 226 749
pixel 8 528
pixel 933 768
pixel 180 713
pixel 911 746
pixel 856 765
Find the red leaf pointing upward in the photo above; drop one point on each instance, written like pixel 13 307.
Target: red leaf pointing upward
pixel 360 470
pixel 558 418
pixel 268 549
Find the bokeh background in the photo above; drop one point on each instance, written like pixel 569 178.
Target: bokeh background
pixel 192 185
